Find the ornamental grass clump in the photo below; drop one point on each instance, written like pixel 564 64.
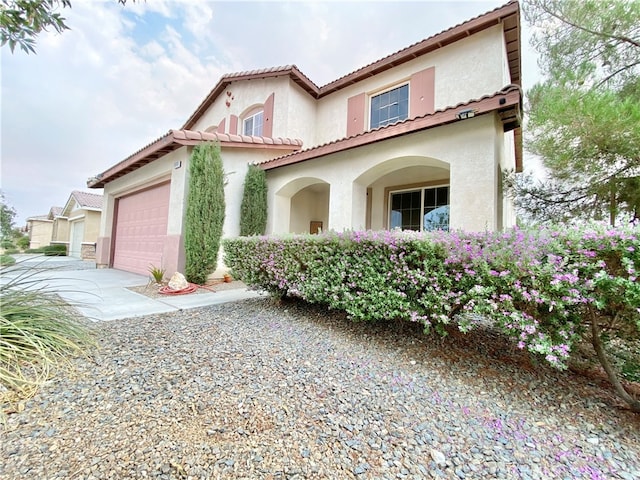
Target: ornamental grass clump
pixel 38 333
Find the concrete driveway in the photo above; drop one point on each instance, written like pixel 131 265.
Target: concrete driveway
pixel 102 294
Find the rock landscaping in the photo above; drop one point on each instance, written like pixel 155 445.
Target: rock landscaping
pixel 264 390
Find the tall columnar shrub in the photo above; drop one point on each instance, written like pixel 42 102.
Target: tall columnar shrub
pixel 550 291
pixel 205 212
pixel 253 210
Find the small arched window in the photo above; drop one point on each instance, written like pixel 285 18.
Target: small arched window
pixel 252 124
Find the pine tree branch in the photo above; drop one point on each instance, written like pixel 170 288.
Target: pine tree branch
pixel 611 75
pixel 565 20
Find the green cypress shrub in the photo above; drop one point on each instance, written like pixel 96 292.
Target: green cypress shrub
pixel 253 210
pixel 205 212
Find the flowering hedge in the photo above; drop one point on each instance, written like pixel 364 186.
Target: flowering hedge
pixel 546 289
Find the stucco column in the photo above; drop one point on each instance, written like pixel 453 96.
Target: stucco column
pixel 472 193
pixel 279 214
pixel 347 205
pixel 173 255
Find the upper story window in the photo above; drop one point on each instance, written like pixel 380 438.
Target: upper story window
pixel 253 125
pixel 390 106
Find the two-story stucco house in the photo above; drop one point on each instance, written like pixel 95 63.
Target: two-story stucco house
pixel 416 140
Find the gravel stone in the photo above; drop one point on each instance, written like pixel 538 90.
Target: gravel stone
pixel 264 390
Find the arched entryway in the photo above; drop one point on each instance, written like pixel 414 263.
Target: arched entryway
pixel 303 206
pixel 410 193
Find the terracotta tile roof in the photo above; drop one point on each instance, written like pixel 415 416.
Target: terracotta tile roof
pixel 508 16
pixel 87 200
pixel 55 212
pixel 507 102
pixel 175 139
pixel 39 218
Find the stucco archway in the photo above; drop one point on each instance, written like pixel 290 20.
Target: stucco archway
pixel 303 206
pixel 425 179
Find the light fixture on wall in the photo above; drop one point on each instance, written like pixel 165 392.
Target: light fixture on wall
pixel 468 113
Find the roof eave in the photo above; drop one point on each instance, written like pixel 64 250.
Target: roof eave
pixel 176 139
pixel 160 147
pixel 507 102
pixel 508 15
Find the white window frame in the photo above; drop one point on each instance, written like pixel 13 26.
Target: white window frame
pixel 382 92
pixel 422 193
pixel 253 133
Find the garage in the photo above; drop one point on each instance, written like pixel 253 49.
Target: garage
pixel 141 229
pixel 76 237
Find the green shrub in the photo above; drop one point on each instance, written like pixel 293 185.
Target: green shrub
pixel 6 243
pixel 548 290
pixel 57 250
pixel 38 332
pixel 11 251
pixel 23 242
pixel 35 250
pixel 6 260
pixel 253 209
pixel 205 212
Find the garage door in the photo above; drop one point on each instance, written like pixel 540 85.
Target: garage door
pixel 141 229
pixel 77 235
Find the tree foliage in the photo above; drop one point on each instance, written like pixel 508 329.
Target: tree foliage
pixel 21 21
pixel 205 212
pixel 584 119
pixel 7 214
pixel 590 43
pixel 253 210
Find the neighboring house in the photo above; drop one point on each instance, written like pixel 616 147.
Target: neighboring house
pixel 78 224
pixel 40 228
pixel 416 140
pixel 60 228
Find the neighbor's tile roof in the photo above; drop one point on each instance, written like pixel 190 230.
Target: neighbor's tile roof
pixel 54 212
pixel 41 218
pixel 508 16
pixel 175 139
pixel 507 102
pixel 87 200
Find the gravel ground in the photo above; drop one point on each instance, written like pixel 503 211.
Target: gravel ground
pixel 258 390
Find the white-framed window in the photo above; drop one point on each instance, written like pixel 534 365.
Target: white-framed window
pixel 420 209
pixel 253 125
pixel 390 106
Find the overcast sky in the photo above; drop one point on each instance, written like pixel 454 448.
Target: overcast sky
pixel 123 76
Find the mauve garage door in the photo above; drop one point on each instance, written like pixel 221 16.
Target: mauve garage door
pixel 141 229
